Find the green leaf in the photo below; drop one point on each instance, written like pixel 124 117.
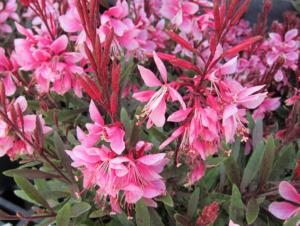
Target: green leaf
pixel 29 174
pixel 193 203
pixel 98 214
pixel 181 220
pixel 292 221
pixel 125 119
pixel 142 214
pixel 232 171
pixel 79 209
pixel 286 156
pixel 236 207
pixel 267 162
pixel 155 219
pixel 63 217
pixel 252 211
pixel 167 200
pixel 296 4
pixel 257 133
pixel 62 155
pixel 253 165
pixel 30 191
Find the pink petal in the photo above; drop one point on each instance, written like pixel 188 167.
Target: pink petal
pixel 190 8
pixel 143 96
pixel 60 44
pixel 245 92
pixel 95 114
pixel 179 115
pixel 158 114
pixel 152 159
pixel 173 137
pixel 176 96
pixel 283 210
pixel 161 67
pixel 148 77
pixel 133 193
pixel 253 101
pixel 229 67
pixel 197 173
pixel 288 192
pixel 291 34
pixel 116 139
pixel 21 101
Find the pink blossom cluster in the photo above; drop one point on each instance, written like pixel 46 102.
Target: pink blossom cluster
pixel 123 175
pixel 17 129
pixel 53 68
pixel 7 12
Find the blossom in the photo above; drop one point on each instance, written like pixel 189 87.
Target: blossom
pixel 285 210
pixel 7 11
pixel 110 133
pixel 240 98
pixel 286 47
pixel 156 107
pixel 178 11
pixel 136 174
pixel 7 68
pixel 12 143
pixel 54 68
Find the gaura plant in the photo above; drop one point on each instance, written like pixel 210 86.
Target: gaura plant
pixel 154 112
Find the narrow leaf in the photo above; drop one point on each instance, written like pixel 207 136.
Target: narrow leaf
pixel 29 174
pixel 193 203
pixel 236 207
pixel 253 165
pixel 267 162
pixel 232 170
pixel 30 190
pixel 142 214
pixel 63 217
pixel 252 211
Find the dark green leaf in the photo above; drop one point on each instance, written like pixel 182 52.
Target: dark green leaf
pixel 236 207
pixel 79 208
pixel 30 190
pixel 257 133
pixel 252 211
pixel 193 203
pixel 292 221
pixel 253 165
pixel 267 162
pixel 98 214
pixel 155 218
pixel 142 214
pixel 181 220
pixel 29 174
pixel 167 200
pixel 63 217
pixel 232 170
pixel 286 157
pixel 63 157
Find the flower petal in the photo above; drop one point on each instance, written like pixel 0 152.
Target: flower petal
pixel 148 77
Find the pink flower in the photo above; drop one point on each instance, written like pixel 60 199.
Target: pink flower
pixel 7 11
pixel 239 98
pixel 7 68
pixel 285 210
pixel 54 68
pixel 110 133
pixel 268 105
pixel 177 10
pixel 135 174
pixel 12 143
pixel 156 107
pixel 286 47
